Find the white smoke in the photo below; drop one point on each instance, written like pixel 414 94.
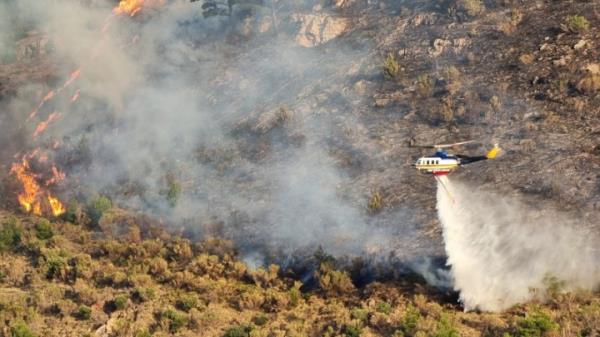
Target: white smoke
pixel 499 249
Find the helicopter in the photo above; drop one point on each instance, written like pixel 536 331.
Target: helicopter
pixel 441 163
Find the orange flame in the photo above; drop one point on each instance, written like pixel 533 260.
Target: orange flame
pixel 129 7
pixel 43 125
pixel 56 206
pixel 29 198
pixel 75 96
pixel 32 198
pixel 74 75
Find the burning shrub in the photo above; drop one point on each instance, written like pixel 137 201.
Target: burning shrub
pixel 10 234
pixel 97 206
pixel 43 229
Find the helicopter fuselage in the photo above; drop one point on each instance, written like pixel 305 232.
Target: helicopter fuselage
pixel 439 164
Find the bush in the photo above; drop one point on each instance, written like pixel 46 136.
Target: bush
pixel 143 333
pixel 55 265
pixel 140 295
pixel 577 24
pixel 391 69
pixel 359 314
pixel 352 330
pixel 535 325
pixel 21 329
pixel 334 282
pixel 10 234
pixel 120 302
pixel 43 230
pixel 411 320
pixel 424 85
pixel 172 193
pixel 295 296
pixel 175 320
pixel 384 308
pixel 446 329
pixel 187 302
pixel 97 206
pixel 238 331
pixel 260 319
pixel 83 313
pixel 376 202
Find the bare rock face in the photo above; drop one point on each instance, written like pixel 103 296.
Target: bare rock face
pixel 319 28
pixel 32 46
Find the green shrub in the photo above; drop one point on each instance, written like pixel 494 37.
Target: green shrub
pixel 445 328
pixel 143 333
pixel 43 230
pixel 175 319
pixel 238 331
pixel 391 69
pixel 536 324
pixel 375 202
pixel 10 234
pixel 187 302
pixel 295 296
pixel 120 302
pixel 384 308
pixel 261 319
pixel 55 264
pixel 97 206
pixel 411 320
pixel 140 295
pixel 577 23
pixel 352 331
pixel 359 314
pixel 83 313
pixel 21 329
pixel 173 193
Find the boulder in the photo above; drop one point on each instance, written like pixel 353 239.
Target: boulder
pixel 319 28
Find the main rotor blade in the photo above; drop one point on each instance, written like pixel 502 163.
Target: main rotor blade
pixel 440 146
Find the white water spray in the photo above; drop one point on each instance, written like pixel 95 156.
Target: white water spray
pixel 499 249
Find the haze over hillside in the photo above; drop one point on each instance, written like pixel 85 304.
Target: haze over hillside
pixel 279 132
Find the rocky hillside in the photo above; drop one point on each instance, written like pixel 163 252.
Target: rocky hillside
pixel 360 79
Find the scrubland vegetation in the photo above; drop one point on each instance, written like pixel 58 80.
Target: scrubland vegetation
pixel 62 278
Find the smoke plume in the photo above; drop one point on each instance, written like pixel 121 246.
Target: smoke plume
pixel 501 250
